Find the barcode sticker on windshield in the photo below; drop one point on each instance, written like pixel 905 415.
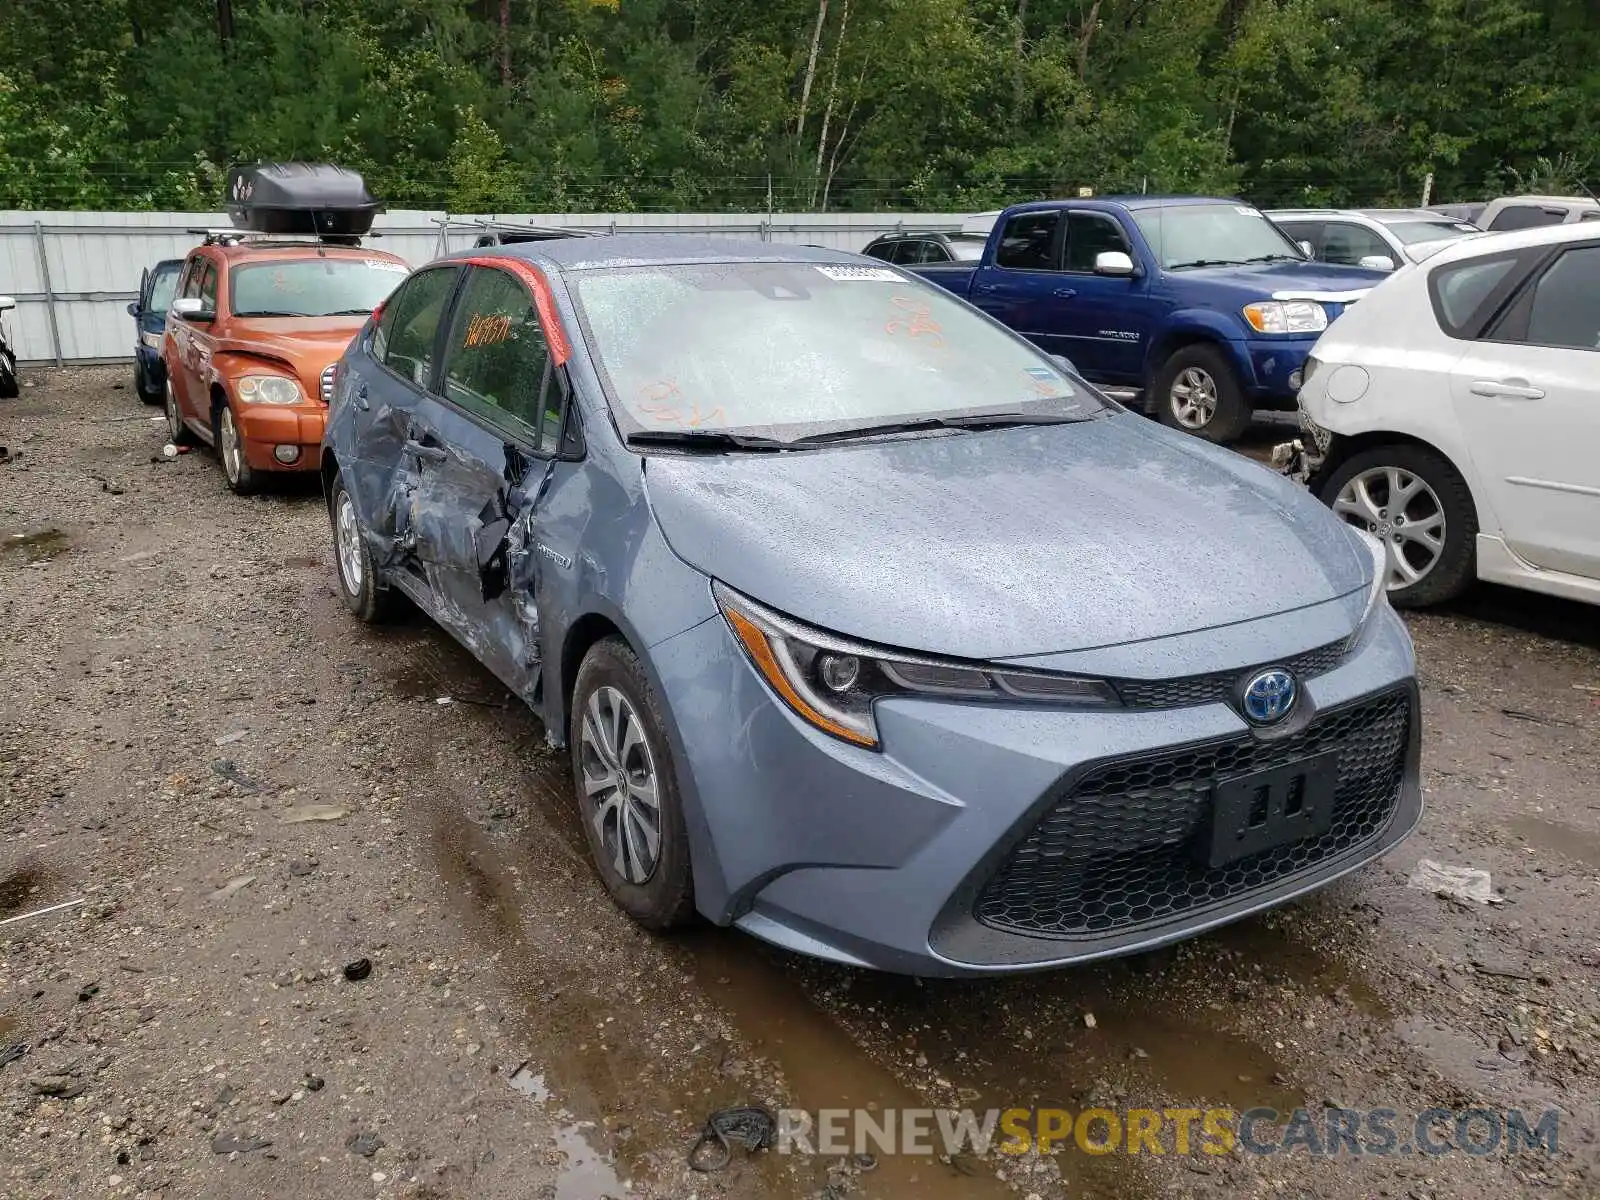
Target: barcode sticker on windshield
pixel 1245 212
pixel 847 274
pixel 383 264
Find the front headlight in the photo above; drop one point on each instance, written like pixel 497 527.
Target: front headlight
pixel 832 682
pixel 1286 316
pixel 1377 589
pixel 269 389
pixel 152 340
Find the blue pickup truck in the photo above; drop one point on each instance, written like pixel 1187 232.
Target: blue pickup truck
pixel 1201 307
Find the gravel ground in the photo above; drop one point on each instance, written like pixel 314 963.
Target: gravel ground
pixel 253 795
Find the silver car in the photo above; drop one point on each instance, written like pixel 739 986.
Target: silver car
pixel 869 629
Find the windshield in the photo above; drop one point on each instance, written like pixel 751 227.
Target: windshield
pixel 163 287
pixel 967 247
pixel 313 287
pixel 792 349
pixel 1410 233
pixel 1182 235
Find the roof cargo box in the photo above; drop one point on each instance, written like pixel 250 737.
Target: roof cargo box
pixel 305 198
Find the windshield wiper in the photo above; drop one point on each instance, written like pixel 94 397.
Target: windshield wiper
pixel 349 312
pixel 704 439
pixel 266 312
pixel 961 421
pixel 1207 262
pixel 1267 258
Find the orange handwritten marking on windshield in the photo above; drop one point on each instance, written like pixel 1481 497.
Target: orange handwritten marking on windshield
pixel 918 321
pixel 696 420
pixel 660 390
pixel 670 415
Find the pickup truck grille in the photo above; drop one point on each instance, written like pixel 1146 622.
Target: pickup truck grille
pixel 327 383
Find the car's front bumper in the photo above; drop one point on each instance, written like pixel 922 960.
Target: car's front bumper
pixel 890 859
pixel 265 427
pixel 1275 366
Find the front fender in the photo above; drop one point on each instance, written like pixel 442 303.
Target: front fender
pixel 1187 325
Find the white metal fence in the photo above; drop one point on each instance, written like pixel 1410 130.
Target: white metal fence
pixel 73 273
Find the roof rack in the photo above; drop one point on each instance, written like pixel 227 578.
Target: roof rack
pixel 234 237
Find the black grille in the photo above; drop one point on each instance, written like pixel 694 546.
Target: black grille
pixel 1209 689
pixel 1119 850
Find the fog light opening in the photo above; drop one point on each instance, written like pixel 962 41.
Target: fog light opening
pixel 286 454
pixel 1297 380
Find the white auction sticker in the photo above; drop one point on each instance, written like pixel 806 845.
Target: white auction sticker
pixel 383 264
pixel 845 274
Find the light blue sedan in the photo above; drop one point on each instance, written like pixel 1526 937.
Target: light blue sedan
pixel 869 629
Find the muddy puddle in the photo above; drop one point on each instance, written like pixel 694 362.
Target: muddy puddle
pixel 26 885
pixel 1575 844
pixel 33 545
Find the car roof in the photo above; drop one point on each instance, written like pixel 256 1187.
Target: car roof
pixel 236 252
pixel 1128 202
pixel 1516 239
pixel 655 249
pixel 1581 201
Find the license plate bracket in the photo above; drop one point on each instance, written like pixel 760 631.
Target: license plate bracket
pixel 1265 809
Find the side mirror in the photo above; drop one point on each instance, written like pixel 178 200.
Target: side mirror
pixel 133 310
pixel 1305 248
pixel 1377 262
pixel 193 308
pixel 1113 262
pixel 1065 363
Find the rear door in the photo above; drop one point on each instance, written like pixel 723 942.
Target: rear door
pixel 494 418
pixel 1104 326
pixel 183 347
pixel 390 373
pixel 1527 395
pixel 1022 287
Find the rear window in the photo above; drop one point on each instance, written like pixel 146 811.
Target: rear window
pixel 313 287
pixel 1411 232
pixel 1462 290
pixel 969 247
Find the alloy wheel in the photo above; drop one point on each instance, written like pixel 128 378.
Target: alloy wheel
pixel 1403 512
pixel 228 442
pixel 347 535
pixel 1194 398
pixel 620 785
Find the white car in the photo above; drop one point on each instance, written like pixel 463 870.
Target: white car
pixel 1377 238
pixel 1455 414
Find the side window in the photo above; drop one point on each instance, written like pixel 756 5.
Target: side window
pixel 208 288
pixel 496 360
pixel 1309 232
pixel 1347 245
pixel 1566 302
pixel 191 278
pixel 384 329
pixel 1029 242
pixel 1526 216
pixel 413 332
pixel 1088 236
pixel 883 251
pixel 1461 292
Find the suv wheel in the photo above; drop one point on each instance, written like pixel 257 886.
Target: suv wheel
pixel 177 431
pixel 230 448
pixel 627 788
pixel 1414 502
pixel 1197 392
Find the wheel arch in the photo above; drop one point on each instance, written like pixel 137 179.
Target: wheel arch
pixel 1347 446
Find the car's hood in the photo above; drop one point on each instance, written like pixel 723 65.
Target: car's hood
pixel 1268 280
pixel 1007 543
pixel 306 346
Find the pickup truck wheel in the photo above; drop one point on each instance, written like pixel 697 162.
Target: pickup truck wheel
pixel 1419 507
pixel 1197 392
pixel 627 788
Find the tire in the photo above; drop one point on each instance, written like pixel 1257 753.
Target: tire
pixel 658 894
pixel 141 386
pixel 1196 391
pixel 177 432
pixel 352 560
pixel 1359 490
pixel 236 469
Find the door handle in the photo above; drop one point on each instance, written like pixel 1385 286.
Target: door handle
pixel 1065 293
pixel 1513 389
pixel 361 397
pixel 424 452
pixel 985 287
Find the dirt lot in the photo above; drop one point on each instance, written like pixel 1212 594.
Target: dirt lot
pixel 181 692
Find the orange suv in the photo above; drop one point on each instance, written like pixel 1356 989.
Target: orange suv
pixel 257 325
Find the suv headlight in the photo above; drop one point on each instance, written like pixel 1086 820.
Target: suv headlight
pixel 832 682
pixel 1286 316
pixel 152 340
pixel 269 389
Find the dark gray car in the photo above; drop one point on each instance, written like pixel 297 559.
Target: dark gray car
pixel 869 628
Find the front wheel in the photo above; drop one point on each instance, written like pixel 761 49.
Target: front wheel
pixel 628 788
pixel 1414 502
pixel 230 447
pixel 1196 391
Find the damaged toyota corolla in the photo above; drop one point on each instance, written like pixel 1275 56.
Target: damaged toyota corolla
pixel 870 629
